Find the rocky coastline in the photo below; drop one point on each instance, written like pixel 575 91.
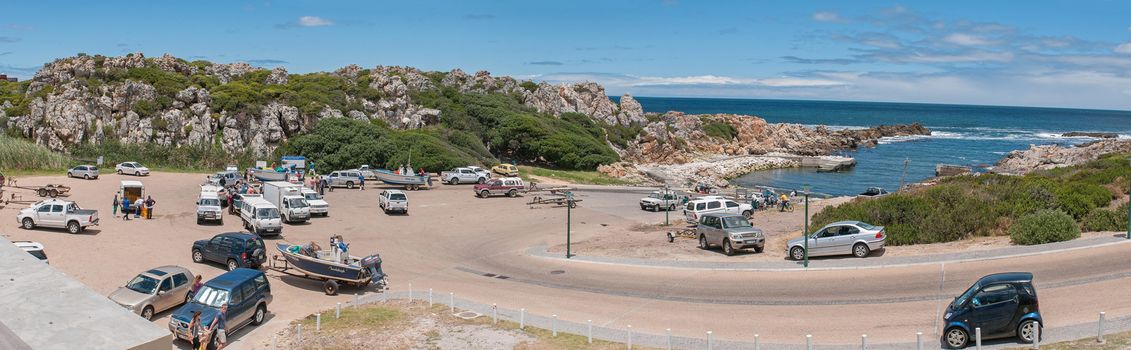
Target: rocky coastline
pixel 1044 157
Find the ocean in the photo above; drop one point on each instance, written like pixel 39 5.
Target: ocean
pixel 975 136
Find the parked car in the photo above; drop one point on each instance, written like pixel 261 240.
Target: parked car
pixel 840 238
pixel 1003 305
pixel 729 231
pixel 225 178
pixel 343 178
pixel 874 192
pixel 246 292
pixel 84 171
pixel 208 208
pixel 505 170
pixel 509 186
pixel 660 200
pixel 260 216
pixel 238 199
pixel 155 290
pixel 477 169
pixel 57 213
pixel 33 248
pixel 234 249
pixel 464 175
pixel 712 205
pixel 132 168
pixel 366 171
pixel 318 205
pixel 393 200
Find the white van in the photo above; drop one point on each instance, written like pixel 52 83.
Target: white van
pixel 714 205
pixel 260 216
pixel 208 208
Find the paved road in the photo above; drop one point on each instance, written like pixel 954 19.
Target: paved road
pixel 478 249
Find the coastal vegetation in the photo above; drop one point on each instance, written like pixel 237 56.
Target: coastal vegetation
pixel 1028 208
pixel 587 177
pixel 20 154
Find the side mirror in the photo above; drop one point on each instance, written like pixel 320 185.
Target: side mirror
pixel 160 292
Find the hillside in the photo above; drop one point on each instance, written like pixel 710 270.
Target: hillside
pixel 170 108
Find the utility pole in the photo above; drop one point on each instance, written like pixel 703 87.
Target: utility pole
pixel 569 208
pixel 806 233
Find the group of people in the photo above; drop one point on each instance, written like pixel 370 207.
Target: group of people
pixel 201 334
pixel 135 207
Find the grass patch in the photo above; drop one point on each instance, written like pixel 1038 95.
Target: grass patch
pixel 23 155
pixel 586 177
pixel 369 317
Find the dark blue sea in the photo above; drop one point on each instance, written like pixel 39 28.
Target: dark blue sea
pixel 975 136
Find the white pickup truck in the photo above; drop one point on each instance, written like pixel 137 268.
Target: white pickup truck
pixel 57 213
pixel 466 175
pixel 393 200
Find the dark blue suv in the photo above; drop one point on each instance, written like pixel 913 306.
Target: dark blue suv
pixel 1002 305
pixel 245 291
pixel 234 249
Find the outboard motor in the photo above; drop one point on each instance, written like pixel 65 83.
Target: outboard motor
pixel 373 264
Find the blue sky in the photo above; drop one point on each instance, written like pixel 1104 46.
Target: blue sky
pixel 1032 53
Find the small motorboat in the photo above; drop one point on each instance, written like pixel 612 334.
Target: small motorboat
pixel 266 175
pixel 411 181
pixel 322 265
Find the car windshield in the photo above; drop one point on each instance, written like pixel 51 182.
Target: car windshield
pixel 962 299
pixel 297 203
pixel 735 222
pixel 211 296
pixel 865 226
pixel 397 196
pixel 210 202
pixel 143 284
pixel 267 213
pixel 312 196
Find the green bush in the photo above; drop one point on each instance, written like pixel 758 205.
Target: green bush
pixel 22 154
pixel 186 157
pixel 340 143
pixel 1044 226
pixel 720 130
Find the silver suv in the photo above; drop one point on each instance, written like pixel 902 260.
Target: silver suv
pixel 730 231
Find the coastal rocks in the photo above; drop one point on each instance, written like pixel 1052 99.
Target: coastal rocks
pixel 278 76
pixel 226 72
pixel 1054 156
pixel 631 112
pixel 628 172
pixel 942 170
pixel 714 172
pixel 1095 135
pixel 585 98
pixel 288 117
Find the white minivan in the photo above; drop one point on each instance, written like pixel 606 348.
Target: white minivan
pixel 260 216
pixel 714 205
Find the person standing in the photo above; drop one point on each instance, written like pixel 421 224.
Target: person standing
pixel 231 204
pixel 361 181
pixel 194 330
pixel 196 284
pixel 218 328
pixel 149 203
pixel 125 208
pixel 115 206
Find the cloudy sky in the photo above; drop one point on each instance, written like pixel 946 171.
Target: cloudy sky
pixel 1032 53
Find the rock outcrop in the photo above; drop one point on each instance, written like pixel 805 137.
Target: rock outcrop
pixel 1055 156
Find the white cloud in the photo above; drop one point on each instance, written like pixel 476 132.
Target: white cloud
pixel 314 21
pixel 966 40
pixel 799 82
pixel 827 16
pixel 1124 48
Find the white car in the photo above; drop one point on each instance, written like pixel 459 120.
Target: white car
pixel 33 248
pixel 393 200
pixel 695 209
pixel 131 168
pixel 57 213
pixel 208 208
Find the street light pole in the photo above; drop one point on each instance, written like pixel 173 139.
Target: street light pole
pixel 569 207
pixel 1129 205
pixel 806 191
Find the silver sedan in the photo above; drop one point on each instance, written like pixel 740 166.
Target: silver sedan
pixel 840 238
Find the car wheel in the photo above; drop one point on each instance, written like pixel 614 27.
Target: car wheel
pixel 232 264
pixel 728 249
pixel 656 208
pixel 349 185
pixel 73 227
pixel 703 242
pixel 642 207
pixel 746 214
pixel 956 338
pixel 28 224
pixel 70 175
pixel 454 181
pixel 481 180
pixel 484 194
pixel 330 287
pixel 147 313
pixel 197 256
pixel 119 172
pixel 188 297
pixel 860 250
pixel 512 193
pixel 797 253
pixel 198 221
pixel 759 249
pixel 260 313
pixel 86 176
pixel 1027 330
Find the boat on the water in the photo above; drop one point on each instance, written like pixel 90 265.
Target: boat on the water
pixel 351 270
pixel 265 175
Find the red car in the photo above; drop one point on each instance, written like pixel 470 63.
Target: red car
pixel 509 186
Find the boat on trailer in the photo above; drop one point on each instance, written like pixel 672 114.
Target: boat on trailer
pixel 353 271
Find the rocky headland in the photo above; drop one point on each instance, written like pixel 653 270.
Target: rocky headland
pixel 168 101
pixel 1044 157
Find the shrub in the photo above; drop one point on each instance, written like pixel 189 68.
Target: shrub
pixel 340 143
pixel 1106 220
pixel 529 86
pixel 23 154
pixel 1044 226
pixel 720 130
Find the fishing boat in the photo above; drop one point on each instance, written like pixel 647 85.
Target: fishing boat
pixel 408 180
pixel 352 271
pixel 265 175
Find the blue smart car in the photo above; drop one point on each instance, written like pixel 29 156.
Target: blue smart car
pixel 1002 305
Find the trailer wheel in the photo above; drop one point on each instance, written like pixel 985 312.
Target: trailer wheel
pixel 330 287
pixel 53 193
pixel 41 192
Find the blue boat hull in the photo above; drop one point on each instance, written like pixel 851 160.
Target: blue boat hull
pixel 322 268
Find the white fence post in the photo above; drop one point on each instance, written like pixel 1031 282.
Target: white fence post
pixel 1037 336
pixel 757 342
pixel 298 331
pixel 1100 332
pixel 338 311
pixel 808 342
pixel 709 345
pixel 589 330
pixel 275 343
pixel 318 322
pixel 978 338
pixel 863 342
pixel 429 297
pixel 669 339
pixel 554 325
pixel 452 301
pixel 494 313
pixel 522 319
pixel 410 292
pixel 629 337
pixel 919 340
pixel 356 303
